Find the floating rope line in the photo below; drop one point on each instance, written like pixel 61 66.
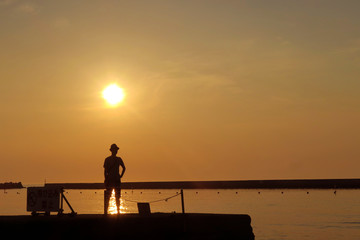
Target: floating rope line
pixel 159 200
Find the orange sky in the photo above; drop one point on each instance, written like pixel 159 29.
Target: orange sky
pixel 215 90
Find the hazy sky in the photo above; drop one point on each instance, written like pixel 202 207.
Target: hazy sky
pixel 215 90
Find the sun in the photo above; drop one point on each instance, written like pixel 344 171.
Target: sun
pixel 113 94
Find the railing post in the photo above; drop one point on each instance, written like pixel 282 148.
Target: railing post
pixel 106 203
pixel 182 201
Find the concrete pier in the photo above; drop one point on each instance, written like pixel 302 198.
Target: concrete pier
pixel 245 184
pixel 129 226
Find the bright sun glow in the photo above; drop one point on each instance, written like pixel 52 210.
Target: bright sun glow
pixel 112 204
pixel 113 94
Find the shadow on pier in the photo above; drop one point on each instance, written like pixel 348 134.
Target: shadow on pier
pixel 131 226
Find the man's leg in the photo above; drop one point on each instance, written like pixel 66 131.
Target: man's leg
pixel 117 197
pixel 107 194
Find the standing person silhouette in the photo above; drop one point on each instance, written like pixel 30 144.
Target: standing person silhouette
pixel 113 177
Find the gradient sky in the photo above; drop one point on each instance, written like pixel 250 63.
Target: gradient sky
pixel 215 90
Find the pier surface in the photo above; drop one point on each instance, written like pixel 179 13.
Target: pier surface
pixel 129 226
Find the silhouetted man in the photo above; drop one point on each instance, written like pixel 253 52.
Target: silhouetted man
pixel 112 177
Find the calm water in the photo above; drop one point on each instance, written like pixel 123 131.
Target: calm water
pixel 293 214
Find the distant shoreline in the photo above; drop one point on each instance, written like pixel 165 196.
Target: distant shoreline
pixel 245 184
pixel 11 185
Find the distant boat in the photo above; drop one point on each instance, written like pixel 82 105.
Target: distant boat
pixel 11 185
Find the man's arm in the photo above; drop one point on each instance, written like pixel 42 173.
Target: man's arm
pixel 105 168
pixel 123 168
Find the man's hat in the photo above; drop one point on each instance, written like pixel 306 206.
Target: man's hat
pixel 114 147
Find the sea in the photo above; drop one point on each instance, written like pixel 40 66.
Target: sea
pixel 275 214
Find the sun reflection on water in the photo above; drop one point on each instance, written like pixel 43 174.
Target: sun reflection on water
pixel 112 204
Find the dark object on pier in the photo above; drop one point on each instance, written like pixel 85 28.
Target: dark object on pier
pixel 131 226
pixel 46 200
pixel 144 208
